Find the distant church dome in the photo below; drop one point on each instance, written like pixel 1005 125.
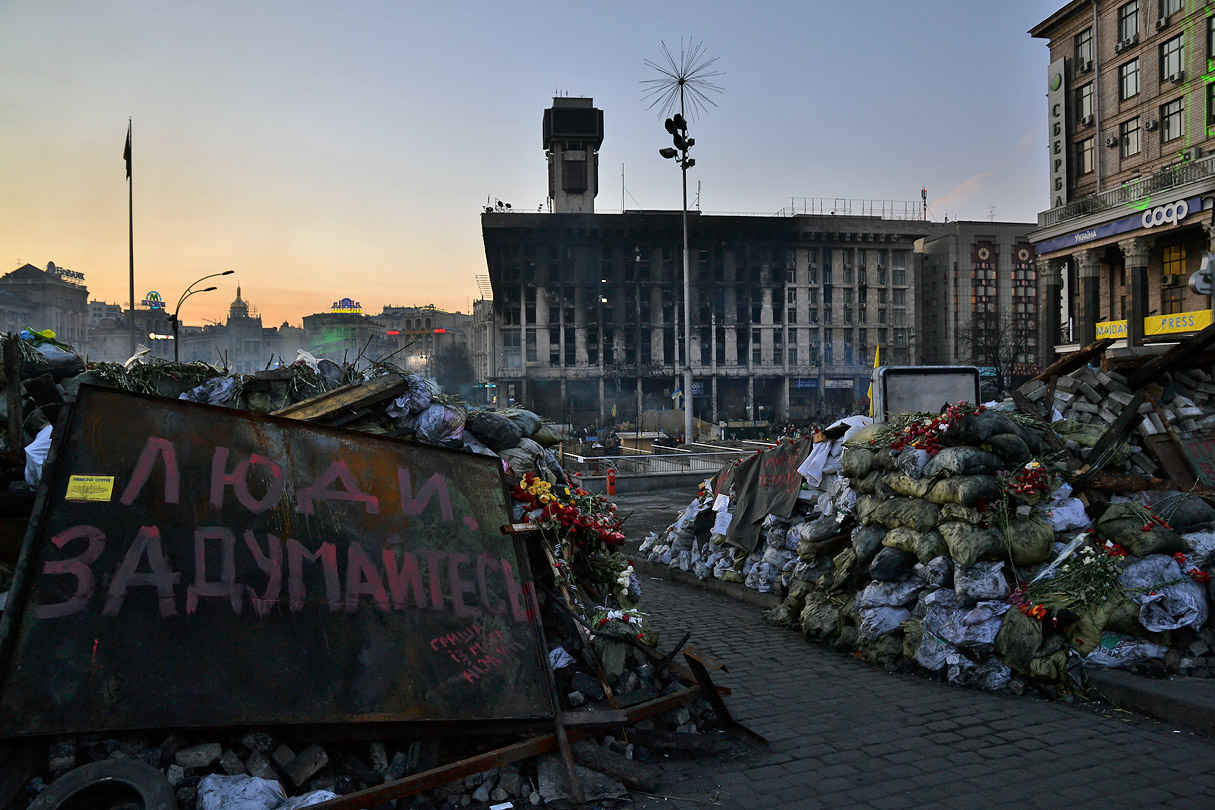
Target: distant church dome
pixel 238 309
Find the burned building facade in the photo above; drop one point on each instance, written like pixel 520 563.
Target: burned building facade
pixel 786 310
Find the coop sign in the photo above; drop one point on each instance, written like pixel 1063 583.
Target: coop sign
pixel 1169 214
pixel 346 306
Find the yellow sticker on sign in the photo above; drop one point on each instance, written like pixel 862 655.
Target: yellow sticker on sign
pixel 90 488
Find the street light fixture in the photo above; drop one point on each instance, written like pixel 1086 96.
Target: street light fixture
pixel 173 320
pixel 686 79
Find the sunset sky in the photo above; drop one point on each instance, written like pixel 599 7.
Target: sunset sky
pixel 346 149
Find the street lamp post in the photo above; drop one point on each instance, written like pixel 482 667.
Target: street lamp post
pixel 678 127
pixel 173 320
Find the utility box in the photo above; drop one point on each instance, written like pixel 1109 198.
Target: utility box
pixel 921 389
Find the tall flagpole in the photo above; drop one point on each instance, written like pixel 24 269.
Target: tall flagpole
pixel 130 238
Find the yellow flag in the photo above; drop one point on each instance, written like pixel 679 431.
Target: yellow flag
pixel 877 350
pixel 613 410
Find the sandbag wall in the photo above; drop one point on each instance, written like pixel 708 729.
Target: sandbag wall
pixel 950 533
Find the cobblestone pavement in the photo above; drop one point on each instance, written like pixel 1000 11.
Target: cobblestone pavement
pixel 845 734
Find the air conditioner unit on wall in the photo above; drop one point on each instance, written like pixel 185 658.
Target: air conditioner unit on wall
pixel 1178 77
pixel 1111 140
pixel 1168 280
pixel 1086 121
pixel 1118 46
pixel 1193 153
pixel 1151 126
pixel 1162 23
pixel 1085 66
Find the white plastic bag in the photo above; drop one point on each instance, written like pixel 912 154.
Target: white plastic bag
pixel 1167 598
pixel 1116 650
pixel 35 456
pixel 315 797
pixel 243 792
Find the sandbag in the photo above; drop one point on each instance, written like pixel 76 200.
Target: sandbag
pixel 905 485
pixel 970 544
pixel 844 564
pixel 891 565
pixel 240 792
pixel 1167 598
pixel 440 423
pixel 527 421
pixel 1183 512
pixel 975 627
pixel 936 573
pixel 1123 523
pixel 976 428
pixel 911 513
pixel 867 484
pixel 799 591
pixel 856 463
pixel 890 594
pixel 417 398
pixel 964 489
pixel 495 430
pixel 966 514
pixel 1010 448
pixel 962 461
pixel 863 437
pixel 924 545
pixel 912 461
pixel 867 541
pixel 883 459
pixel 1018 640
pixel 981 582
pixel 866 506
pixel 820 617
pixel 1116 650
pixel 881 621
pixel 546 437
pixel 1029 541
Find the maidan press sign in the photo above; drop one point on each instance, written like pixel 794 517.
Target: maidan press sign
pixel 191 565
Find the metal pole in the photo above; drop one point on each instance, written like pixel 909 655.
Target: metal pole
pixel 131 240
pixel 687 303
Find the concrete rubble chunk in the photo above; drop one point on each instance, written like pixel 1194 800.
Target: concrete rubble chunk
pixel 174 774
pixel 1121 398
pixel 199 756
pixel 1092 394
pixel 379 757
pixel 231 763
pixel 62 756
pixel 1085 407
pixel 282 756
pixel 1146 428
pixel 257 765
pixel 1191 412
pixel 1108 416
pixel 258 741
pixel 1067 384
pixel 396 769
pixel 308 762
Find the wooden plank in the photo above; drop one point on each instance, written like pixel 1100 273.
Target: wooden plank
pixel 1070 362
pixel 12 391
pixel 435 777
pixel 1173 358
pixel 1171 458
pixel 1171 432
pixel 347 398
pixel 1112 439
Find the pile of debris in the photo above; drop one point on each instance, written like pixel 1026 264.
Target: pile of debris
pixel 988 545
pixel 620 702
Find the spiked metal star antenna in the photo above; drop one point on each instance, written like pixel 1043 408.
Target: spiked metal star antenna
pixel 688 77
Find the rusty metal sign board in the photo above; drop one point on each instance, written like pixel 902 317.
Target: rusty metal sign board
pixel 1201 453
pixel 200 566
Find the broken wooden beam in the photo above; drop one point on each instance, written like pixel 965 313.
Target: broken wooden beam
pixel 630 772
pixel 347 398
pixel 1070 362
pixel 1175 357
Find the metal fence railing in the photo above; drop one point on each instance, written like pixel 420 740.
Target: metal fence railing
pixel 677 462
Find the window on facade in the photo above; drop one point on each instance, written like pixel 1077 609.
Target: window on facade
pixel 792 315
pixel 1086 155
pixel 1084 46
pixel 1210 38
pixel 1128 80
pixel 1172 57
pixel 1167 7
pixel 847 274
pixel 1211 102
pixel 1172 120
pixel 792 355
pixel 899 298
pixel 1172 260
pixel 791 274
pixel 1084 100
pixel 1128 20
pixel 1172 300
pixel 813 315
pixel 791 296
pixel 1130 137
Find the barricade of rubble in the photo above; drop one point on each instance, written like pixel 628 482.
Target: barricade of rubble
pixel 602 653
pixel 955 544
